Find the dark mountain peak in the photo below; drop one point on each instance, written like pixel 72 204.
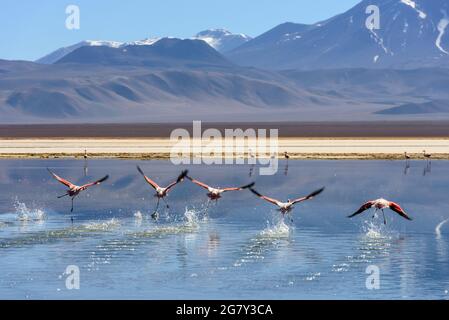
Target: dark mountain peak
pixel 167 52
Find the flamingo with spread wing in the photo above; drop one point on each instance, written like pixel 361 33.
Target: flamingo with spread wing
pixel 215 193
pixel 161 192
pixel 286 207
pixel 381 204
pixel 75 190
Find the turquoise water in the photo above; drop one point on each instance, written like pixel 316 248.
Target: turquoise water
pixel 239 247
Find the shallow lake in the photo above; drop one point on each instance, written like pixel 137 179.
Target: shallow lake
pixel 238 247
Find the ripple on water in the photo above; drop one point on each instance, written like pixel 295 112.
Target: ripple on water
pixel 69 233
pixel 102 226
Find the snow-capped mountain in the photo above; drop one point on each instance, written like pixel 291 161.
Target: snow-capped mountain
pixel 166 52
pixel 62 52
pixel 412 33
pixel 222 40
pixel 219 39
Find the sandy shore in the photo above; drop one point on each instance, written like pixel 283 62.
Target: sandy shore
pixel 298 148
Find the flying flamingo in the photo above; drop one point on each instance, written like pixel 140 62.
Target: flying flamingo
pixel 161 192
pixel 381 204
pixel 215 193
pixel 286 207
pixel 74 190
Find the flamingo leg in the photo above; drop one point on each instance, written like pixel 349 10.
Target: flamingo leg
pixel 374 214
pixel 154 215
pixel 73 198
pixel 168 207
pixel 383 214
pixel 64 195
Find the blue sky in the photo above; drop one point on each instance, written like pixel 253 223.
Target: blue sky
pixel 31 29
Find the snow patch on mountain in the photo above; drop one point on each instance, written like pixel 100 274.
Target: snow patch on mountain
pixel 101 43
pixel 378 40
pixel 413 5
pixel 62 52
pixel 222 40
pixel 442 25
pixel 144 42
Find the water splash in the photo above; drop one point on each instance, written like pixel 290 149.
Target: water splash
pixel 374 229
pixel 438 228
pixel 189 224
pixel 138 215
pixel 191 217
pixel 23 213
pixel 278 230
pixel 275 235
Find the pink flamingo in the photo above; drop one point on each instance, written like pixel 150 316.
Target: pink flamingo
pixel 215 193
pixel 161 192
pixel 75 190
pixel 381 204
pixel 286 207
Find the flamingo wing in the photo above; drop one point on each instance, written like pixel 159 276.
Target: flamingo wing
pixel 199 183
pixel 63 181
pixel 273 201
pixel 365 207
pixel 397 208
pixel 239 188
pixel 308 197
pixel 148 180
pixel 178 180
pixel 95 182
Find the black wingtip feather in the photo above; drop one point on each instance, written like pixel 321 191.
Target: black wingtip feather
pixel 103 179
pixel 140 170
pixel 315 193
pixel 182 175
pixel 248 185
pixel 255 192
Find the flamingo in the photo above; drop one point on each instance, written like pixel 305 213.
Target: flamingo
pixel 215 193
pixel 286 156
pixel 407 157
pixel 75 190
pixel 381 204
pixel 428 156
pixel 161 192
pixel 86 168
pixel 286 207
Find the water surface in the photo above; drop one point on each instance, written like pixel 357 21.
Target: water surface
pixel 237 248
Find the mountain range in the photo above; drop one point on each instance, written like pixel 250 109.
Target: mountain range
pixel 220 39
pixel 337 69
pixel 412 34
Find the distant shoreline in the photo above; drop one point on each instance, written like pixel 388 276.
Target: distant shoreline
pixel 294 129
pixel 157 148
